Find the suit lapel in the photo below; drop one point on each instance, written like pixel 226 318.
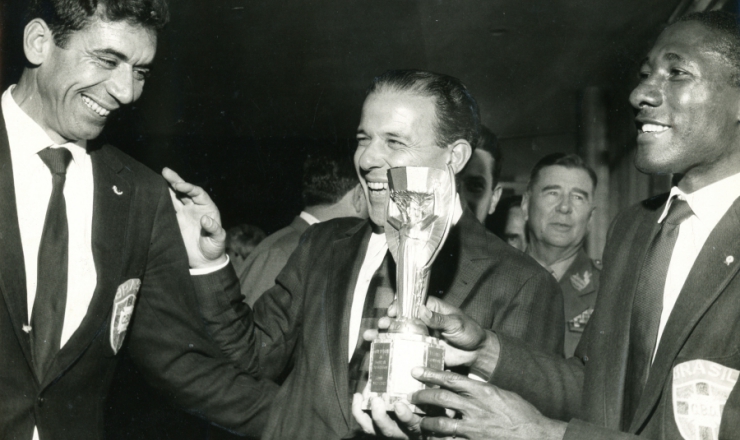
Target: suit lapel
pixel 12 266
pixel 347 255
pixel 617 318
pixel 110 220
pixel 461 261
pixel 706 281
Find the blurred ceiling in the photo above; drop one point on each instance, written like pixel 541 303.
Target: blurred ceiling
pixel 300 67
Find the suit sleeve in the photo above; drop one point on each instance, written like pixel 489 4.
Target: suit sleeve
pixel 272 329
pixel 261 274
pixel 169 344
pixel 535 314
pixel 227 318
pixel 279 312
pixel 552 384
pixel 549 382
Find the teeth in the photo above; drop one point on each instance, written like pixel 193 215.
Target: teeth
pixel 95 107
pixel 654 128
pixel 377 186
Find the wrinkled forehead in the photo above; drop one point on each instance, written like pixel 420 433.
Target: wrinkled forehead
pixel 564 176
pixel 130 42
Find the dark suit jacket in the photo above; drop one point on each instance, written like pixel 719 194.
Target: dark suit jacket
pixel 579 297
pixel 267 260
pixel 704 325
pixel 303 321
pixel 134 236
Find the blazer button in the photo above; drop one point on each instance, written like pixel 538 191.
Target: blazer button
pixel 40 401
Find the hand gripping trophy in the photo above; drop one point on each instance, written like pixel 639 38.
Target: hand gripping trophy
pixel 420 212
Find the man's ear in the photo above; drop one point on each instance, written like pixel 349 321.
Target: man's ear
pixel 495 197
pixel 460 152
pixel 590 222
pixel 359 203
pixel 37 41
pixel 525 205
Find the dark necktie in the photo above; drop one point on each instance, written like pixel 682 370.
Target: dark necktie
pixel 47 317
pixel 648 305
pixel 379 297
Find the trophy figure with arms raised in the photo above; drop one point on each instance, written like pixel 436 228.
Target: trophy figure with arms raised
pixel 420 211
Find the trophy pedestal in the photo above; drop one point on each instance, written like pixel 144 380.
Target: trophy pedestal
pixel 392 357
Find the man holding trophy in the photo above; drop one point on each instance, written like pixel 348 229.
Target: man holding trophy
pixel 308 329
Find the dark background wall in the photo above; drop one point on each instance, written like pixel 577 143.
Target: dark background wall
pixel 243 90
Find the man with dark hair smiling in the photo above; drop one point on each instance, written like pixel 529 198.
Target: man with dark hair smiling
pixel 88 236
pixel 659 357
pixel 339 280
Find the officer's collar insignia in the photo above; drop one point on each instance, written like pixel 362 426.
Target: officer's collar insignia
pixel 580 282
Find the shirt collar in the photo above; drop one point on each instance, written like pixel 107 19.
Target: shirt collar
pixel 311 220
pixel 710 203
pixel 457 211
pixel 559 268
pixel 28 136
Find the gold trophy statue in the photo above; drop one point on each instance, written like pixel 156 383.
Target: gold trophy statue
pixel 420 212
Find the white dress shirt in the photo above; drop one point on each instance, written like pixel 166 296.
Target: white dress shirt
pixel 709 205
pixel 376 249
pixel 33 184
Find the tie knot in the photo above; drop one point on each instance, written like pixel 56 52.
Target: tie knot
pixel 57 159
pixel 678 211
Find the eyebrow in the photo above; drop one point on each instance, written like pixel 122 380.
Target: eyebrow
pixel 121 56
pixel 549 187
pixel 670 56
pixel 582 192
pixel 393 134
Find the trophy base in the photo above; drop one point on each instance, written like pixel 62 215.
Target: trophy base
pixel 392 357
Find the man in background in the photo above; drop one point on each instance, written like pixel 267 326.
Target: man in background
pixel 478 182
pixel 330 190
pixel 241 240
pixel 557 208
pixel 508 222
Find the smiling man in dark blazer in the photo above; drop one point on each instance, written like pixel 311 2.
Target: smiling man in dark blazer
pixel 660 355
pixel 91 261
pixel 308 327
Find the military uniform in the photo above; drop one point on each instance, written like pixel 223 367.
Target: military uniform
pixel 579 284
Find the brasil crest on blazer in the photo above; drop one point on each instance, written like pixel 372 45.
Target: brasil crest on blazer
pixel 123 308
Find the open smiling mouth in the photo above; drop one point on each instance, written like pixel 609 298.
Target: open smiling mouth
pixel 377 188
pixel 651 128
pixel 94 106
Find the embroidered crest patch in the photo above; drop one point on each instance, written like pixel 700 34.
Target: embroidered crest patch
pixel 700 390
pixel 578 323
pixel 123 308
pixel 580 282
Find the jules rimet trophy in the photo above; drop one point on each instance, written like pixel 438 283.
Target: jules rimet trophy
pixel 419 216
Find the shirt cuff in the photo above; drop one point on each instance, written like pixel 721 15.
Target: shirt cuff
pixel 210 269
